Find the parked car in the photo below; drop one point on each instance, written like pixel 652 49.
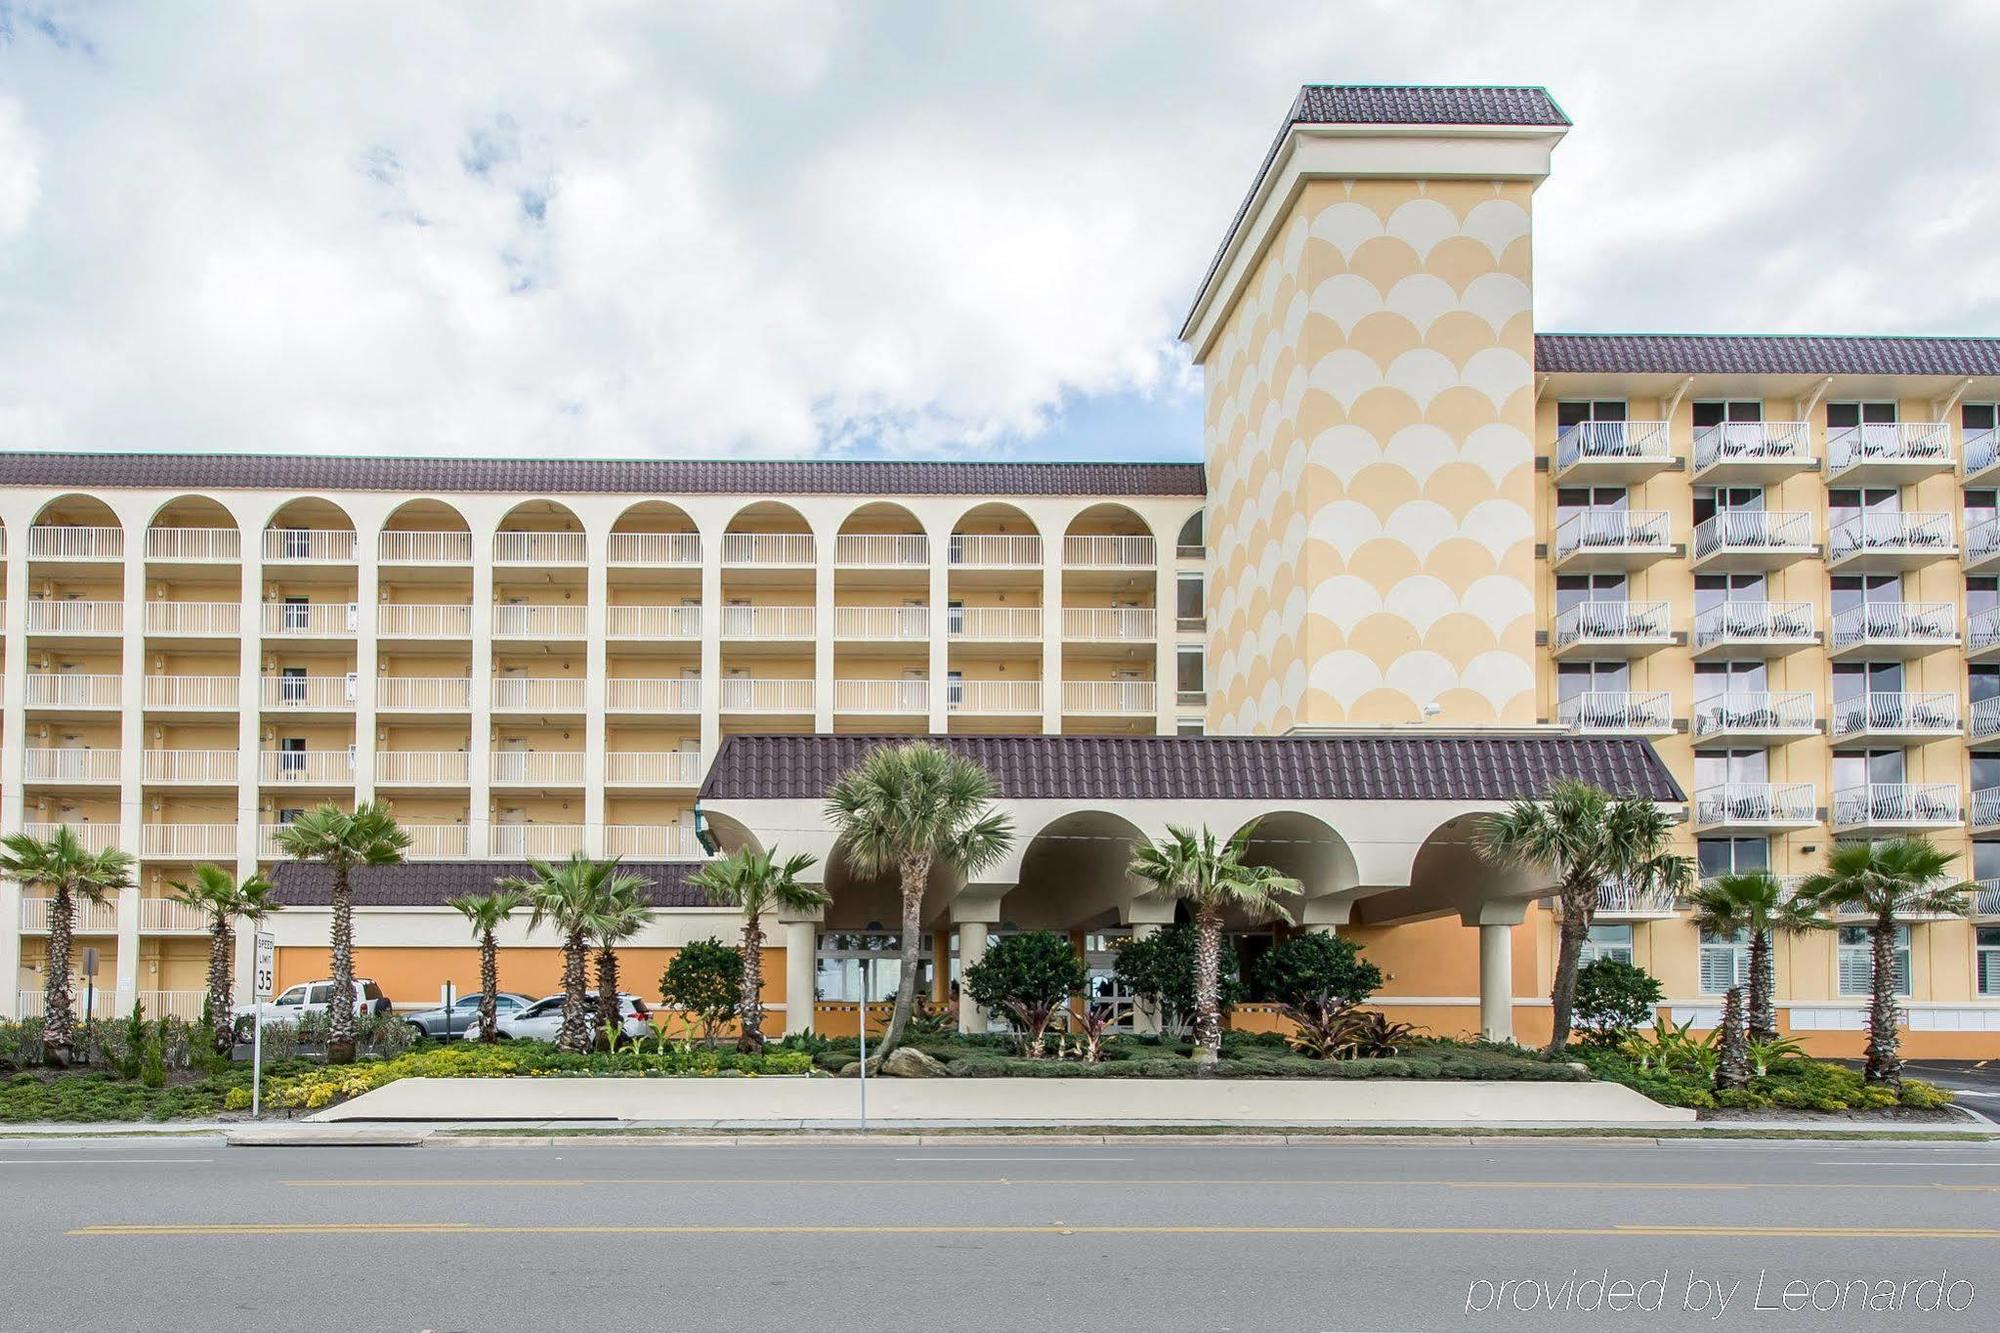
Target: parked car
pixel 309 998
pixel 542 1020
pixel 464 1014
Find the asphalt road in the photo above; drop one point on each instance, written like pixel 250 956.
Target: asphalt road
pixel 189 1234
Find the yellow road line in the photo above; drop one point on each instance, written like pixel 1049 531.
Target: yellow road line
pixel 578 1182
pixel 977 1229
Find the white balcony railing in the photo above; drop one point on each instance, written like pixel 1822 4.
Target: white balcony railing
pixel 1895 622
pixel 49 615
pixel 1754 803
pixel 1982 631
pixel 1619 898
pixel 882 696
pixel 415 620
pixel 515 767
pixel 529 694
pixel 1881 531
pixel 1612 530
pixel 653 768
pixel 211 545
pixel 321 693
pixel 1985 719
pixel 655 548
pixel 83 764
pixel 399 547
pixel 47 689
pixel 194 692
pixel 438 842
pixel 187 842
pixel 1752 442
pixel 1930 712
pixel 311 619
pixel 1602 622
pixel 212 767
pixel 747 694
pixel 1752 711
pixel 767 622
pixel 544 842
pixel 995 550
pixel 95 835
pixel 882 623
pixel 1986 807
pixel 651 842
pixel 48 541
pixel 1011 624
pixel 1125 698
pixel 1982 540
pixel 882 550
pixel 1982 450
pixel 221 619
pixel 1888 442
pixel 1590 441
pixel 1752 622
pixel 1119 623
pixel 539 620
pixel 1617 710
pixel 86 918
pixel 335 767
pixel 653 694
pixel 1896 803
pixel 171 916
pixel 1753 530
pixel 1108 552
pixel 423 768
pixel 653 622
pixel 767 548
pixel 423 694
pixel 540 548
pixel 309 544
pixel 1001 698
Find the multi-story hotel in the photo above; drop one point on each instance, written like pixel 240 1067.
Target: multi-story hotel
pixel 1432 560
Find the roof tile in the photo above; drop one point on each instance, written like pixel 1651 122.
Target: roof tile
pixel 432 883
pixel 1762 354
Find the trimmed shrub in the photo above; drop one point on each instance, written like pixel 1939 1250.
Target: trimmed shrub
pixel 705 978
pixel 1028 976
pixel 1613 1000
pixel 1159 971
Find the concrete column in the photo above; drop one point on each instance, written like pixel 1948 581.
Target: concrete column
pixel 367 622
pixel 131 773
pixel 1166 636
pixel 1052 634
pixel 597 590
pixel 250 703
pixel 10 949
pixel 711 647
pixel 1145 1017
pixel 801 955
pixel 940 627
pixel 13 726
pixel 479 737
pixel 1496 982
pixel 823 544
pixel 128 950
pixel 971 950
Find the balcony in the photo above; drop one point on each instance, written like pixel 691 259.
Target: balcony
pixel 1986 809
pixel 1627 628
pixel 655 550
pixel 1982 458
pixel 769 549
pixel 1888 542
pixel 1894 716
pixel 883 698
pixel 1753 539
pixel 544 842
pixel 537 694
pixel 1108 552
pixel 653 623
pixel 311 620
pixel 307 694
pixel 316 546
pixel 539 620
pixel 793 623
pixel 891 550
pixel 653 768
pixel 75 618
pixel 1618 711
pixel 61 690
pixel 1620 901
pixel 78 545
pixel 1613 451
pixel 1111 698
pixel 194 546
pixel 1892 451
pixel 438 842
pixel 67 767
pixel 749 694
pixel 1109 625
pixel 422 768
pixel 1888 806
pixel 994 624
pixel 95 836
pixel 540 548
pixel 171 916
pixel 193 694
pixel 1982 547
pixel 410 620
pixel 1610 539
pixel 396 547
pixel 1982 636
pixel 645 694
pixel 538 768
pixel 423 694
pixel 882 624
pixel 995 698
pixel 306 768
pixel 1986 905
pixel 1756 807
pixel 994 550
pixel 87 918
pixel 1764 628
pixel 1985 727
pixel 187 842
pixel 1752 451
pixel 190 768
pixel 651 842
pixel 1895 629
pixel 1753 716
pixel 194 620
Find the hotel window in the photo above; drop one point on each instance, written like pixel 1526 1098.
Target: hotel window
pixel 1712 590
pixel 1191 545
pixel 1725 961
pixel 1190 675
pixel 1715 414
pixel 1846 416
pixel 1989 960
pixel 1857 961
pixel 1716 678
pixel 1613 942
pixel 1574 589
pixel 1575 413
pixel 1982 594
pixel 1190 609
pixel 1712 500
pixel 1716 857
pixel 1978 423
pixel 1718 768
pixel 1189 726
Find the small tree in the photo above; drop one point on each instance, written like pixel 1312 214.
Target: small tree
pixel 484 912
pixel 623 912
pixel 215 892
pixel 1613 1000
pixel 368 837
pixel 1316 980
pixel 1755 903
pixel 1732 1052
pixel 754 883
pixel 704 978
pixel 68 873
pixel 1030 976
pixel 1158 971
pixel 571 895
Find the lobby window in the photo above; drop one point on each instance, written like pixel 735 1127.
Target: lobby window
pixel 1190 603
pixel 1989 960
pixel 1613 942
pixel 1857 961
pixel 850 960
pixel 1725 961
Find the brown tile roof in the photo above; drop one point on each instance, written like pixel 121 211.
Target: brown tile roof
pixel 200 472
pixel 1437 104
pixel 431 883
pixel 1763 354
pixel 1440 766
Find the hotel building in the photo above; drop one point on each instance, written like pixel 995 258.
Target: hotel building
pixel 1431 561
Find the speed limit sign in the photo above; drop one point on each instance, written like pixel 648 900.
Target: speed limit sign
pixel 267 966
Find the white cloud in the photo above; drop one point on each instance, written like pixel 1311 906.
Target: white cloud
pixel 793 229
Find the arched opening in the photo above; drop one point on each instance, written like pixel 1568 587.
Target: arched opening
pixel 995 534
pixel 427 532
pixel 881 535
pixel 1076 873
pixel 768 532
pixel 540 532
pixel 76 527
pixel 655 532
pixel 1192 543
pixel 193 528
pixel 309 529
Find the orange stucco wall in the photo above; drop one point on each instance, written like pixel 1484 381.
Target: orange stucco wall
pixel 411 977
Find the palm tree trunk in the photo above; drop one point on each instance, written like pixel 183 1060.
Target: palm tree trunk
pixel 1885 1062
pixel 220 942
pixel 1207 986
pixel 607 990
pixel 340 1005
pixel 752 1004
pixel 58 1019
pixel 575 1034
pixel 916 872
pixel 1732 1062
pixel 1763 988
pixel 489 987
pixel 1562 995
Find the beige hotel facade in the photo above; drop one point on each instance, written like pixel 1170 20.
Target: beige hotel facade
pixel 1431 559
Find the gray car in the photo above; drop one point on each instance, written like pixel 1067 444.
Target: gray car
pixel 464 1016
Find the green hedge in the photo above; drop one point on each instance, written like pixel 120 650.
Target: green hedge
pixel 1796 1084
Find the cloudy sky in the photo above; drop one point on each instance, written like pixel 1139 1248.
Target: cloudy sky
pixel 881 229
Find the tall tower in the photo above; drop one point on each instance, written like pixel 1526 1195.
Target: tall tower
pixel 1366 334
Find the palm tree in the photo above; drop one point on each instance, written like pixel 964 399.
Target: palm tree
pixel 370 836
pixel 485 912
pixel 1881 881
pixel 912 809
pixel 63 868
pixel 623 913
pixel 1584 838
pixel 754 883
pixel 216 892
pixel 1212 878
pixel 1755 903
pixel 570 896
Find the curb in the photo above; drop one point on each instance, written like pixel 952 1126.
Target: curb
pixel 342 1138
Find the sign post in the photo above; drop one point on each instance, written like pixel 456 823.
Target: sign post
pixel 261 986
pixel 89 992
pixel 447 997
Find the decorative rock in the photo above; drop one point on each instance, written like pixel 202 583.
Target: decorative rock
pixel 909 1062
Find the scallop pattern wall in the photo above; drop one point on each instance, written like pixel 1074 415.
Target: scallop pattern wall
pixel 1370 417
